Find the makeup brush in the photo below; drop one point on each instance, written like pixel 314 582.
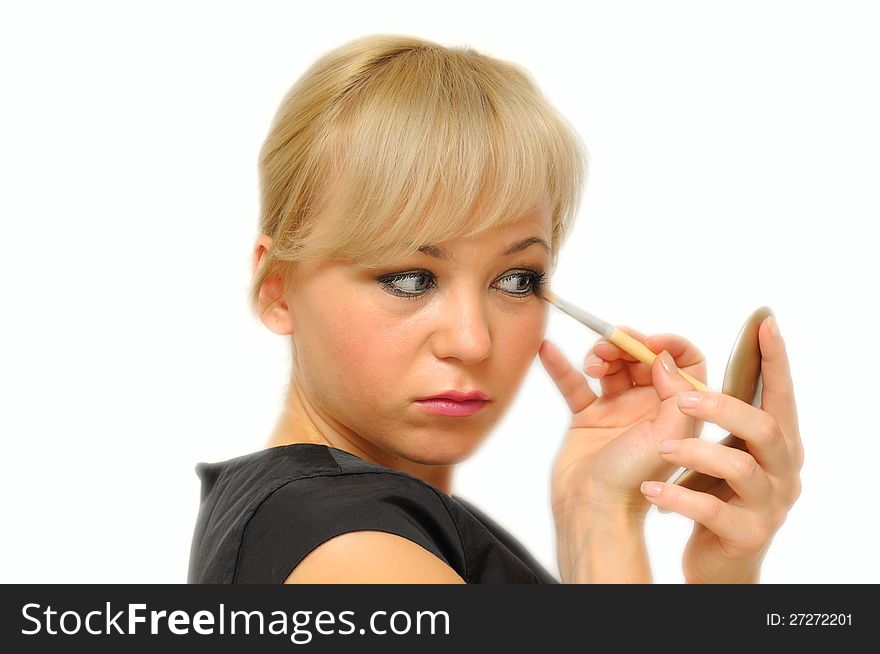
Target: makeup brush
pixel 620 338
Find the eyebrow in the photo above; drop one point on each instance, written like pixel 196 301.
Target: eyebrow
pixel 440 253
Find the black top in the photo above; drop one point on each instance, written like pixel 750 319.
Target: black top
pixel 262 513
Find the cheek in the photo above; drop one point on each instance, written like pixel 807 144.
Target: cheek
pixel 518 341
pixel 358 352
pixel 366 351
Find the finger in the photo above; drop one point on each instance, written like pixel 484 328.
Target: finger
pixel 616 377
pixel 739 469
pixel 611 351
pixel 670 421
pixel 594 365
pixel 759 429
pixel 777 394
pixel 572 384
pixel 725 520
pixel 687 356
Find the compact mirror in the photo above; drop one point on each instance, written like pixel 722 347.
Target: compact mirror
pixel 742 380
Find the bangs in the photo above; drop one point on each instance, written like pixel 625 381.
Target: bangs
pixel 434 146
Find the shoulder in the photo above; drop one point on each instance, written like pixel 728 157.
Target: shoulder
pixel 352 525
pixel 358 492
pixel 372 557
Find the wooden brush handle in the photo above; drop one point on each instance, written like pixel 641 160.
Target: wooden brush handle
pixel 641 352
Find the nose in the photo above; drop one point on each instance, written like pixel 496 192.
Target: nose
pixel 463 328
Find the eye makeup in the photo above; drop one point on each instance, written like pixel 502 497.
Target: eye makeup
pixel 534 279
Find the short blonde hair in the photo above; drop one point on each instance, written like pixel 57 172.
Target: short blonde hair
pixel 417 143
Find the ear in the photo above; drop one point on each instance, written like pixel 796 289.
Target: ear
pixel 273 308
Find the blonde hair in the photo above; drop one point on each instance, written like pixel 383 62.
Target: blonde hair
pixel 415 143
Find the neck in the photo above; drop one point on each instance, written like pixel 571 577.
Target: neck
pixel 300 422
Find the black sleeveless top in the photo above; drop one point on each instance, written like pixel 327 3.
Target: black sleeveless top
pixel 260 514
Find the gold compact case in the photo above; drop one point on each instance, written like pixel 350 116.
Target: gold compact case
pixel 742 380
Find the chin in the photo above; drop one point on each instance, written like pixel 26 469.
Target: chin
pixel 444 450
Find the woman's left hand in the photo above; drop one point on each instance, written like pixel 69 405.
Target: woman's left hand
pixel 735 522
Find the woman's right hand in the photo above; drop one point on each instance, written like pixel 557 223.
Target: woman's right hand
pixel 611 445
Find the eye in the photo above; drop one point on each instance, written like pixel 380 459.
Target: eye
pixel 526 282
pixel 409 284
pixel 415 284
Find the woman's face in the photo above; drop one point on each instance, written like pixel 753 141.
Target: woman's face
pixel 371 342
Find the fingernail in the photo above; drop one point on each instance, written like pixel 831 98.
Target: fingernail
pixel 651 488
pixel 667 445
pixel 668 363
pixel 593 362
pixel 688 400
pixel 774 328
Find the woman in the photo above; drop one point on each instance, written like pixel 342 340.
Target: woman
pixel 414 200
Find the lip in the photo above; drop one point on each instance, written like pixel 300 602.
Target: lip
pixel 446 407
pixel 458 396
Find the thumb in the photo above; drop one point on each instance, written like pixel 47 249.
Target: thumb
pixel 670 422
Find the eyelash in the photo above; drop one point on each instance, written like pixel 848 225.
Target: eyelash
pixel 537 279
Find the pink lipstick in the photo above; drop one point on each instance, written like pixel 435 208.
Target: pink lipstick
pixel 454 403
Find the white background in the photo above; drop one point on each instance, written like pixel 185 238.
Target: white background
pixel 734 163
